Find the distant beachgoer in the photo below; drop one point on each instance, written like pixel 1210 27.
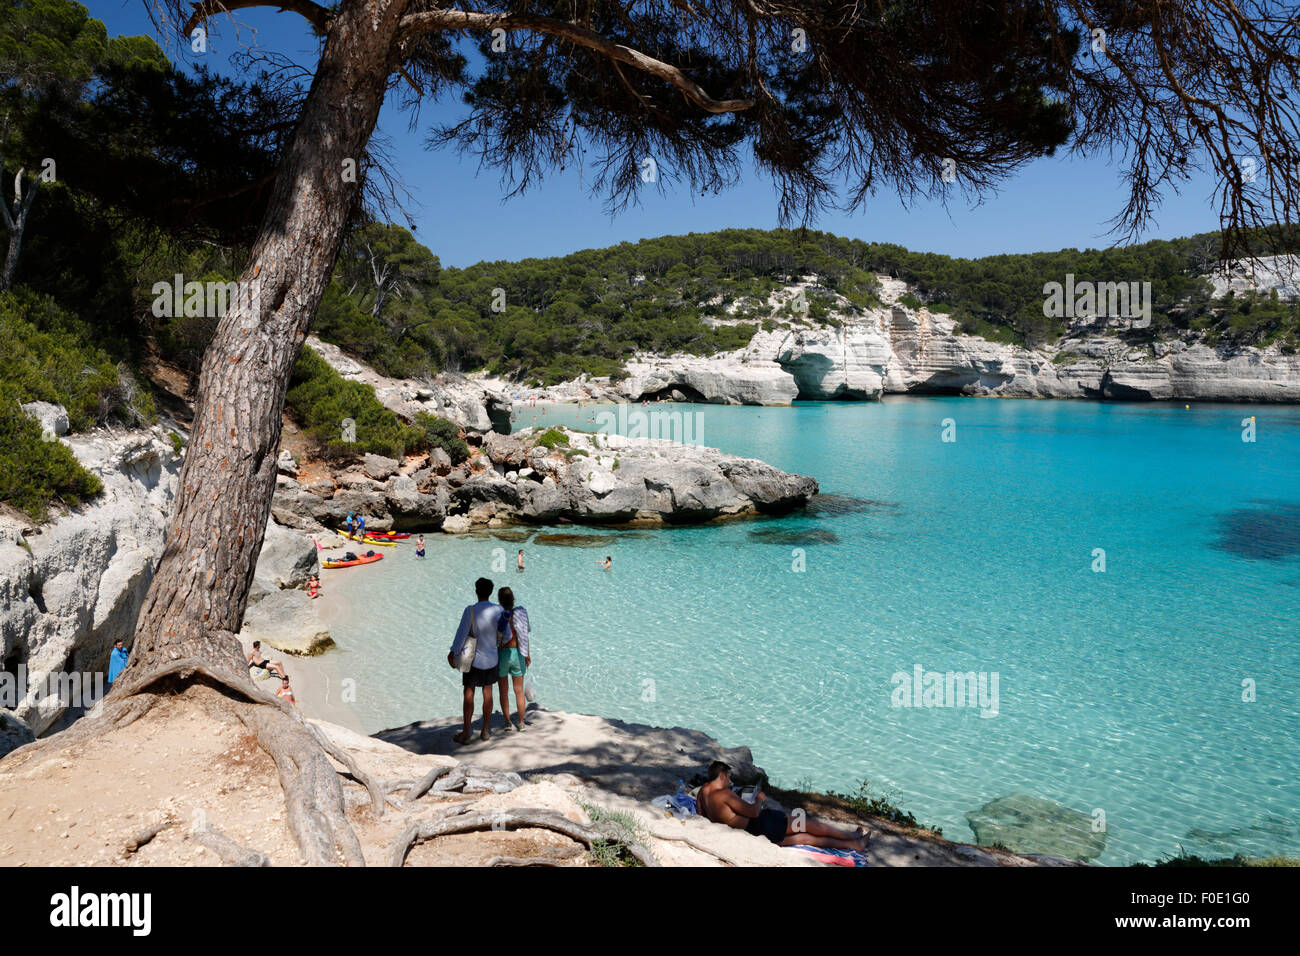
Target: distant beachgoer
pixel 117 659
pixel 361 527
pixel 419 546
pixel 481 620
pixel 258 659
pixel 607 564
pixel 351 523
pixel 519 559
pixel 313 586
pixel 719 803
pixel 513 655
pixel 286 692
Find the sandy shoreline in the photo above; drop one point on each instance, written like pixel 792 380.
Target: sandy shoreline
pixel 316 681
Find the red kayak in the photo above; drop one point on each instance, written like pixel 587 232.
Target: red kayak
pixel 364 559
pixel 388 535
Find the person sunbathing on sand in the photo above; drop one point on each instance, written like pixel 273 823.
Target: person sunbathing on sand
pixel 258 659
pixel 286 692
pixel 720 804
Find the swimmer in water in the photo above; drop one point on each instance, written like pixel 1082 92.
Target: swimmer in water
pixel 607 564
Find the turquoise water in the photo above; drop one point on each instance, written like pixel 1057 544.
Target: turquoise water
pixel 1118 690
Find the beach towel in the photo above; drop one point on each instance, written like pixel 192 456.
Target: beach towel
pixel 677 806
pixel 258 673
pixel 833 857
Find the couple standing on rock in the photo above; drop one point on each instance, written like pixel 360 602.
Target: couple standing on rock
pixel 491 647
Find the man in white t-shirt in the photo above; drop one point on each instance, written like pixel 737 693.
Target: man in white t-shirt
pixel 481 619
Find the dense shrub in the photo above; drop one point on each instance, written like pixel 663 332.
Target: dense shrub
pixel 50 356
pixel 440 433
pixel 553 438
pixel 35 472
pixel 345 417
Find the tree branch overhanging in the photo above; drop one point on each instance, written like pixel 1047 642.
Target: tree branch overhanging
pixel 314 13
pixel 417 23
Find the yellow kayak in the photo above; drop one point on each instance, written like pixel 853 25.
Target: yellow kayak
pixel 369 540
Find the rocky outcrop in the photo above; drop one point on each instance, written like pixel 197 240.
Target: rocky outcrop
pixel 13 733
pixel 471 405
pixel 73 586
pixel 586 478
pixel 287 621
pixel 53 418
pixel 897 349
pixel 727 379
pixel 287 559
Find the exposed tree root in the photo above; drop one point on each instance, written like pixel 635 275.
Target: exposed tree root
pixel 468 820
pixel 312 793
pixel 694 846
pixel 554 856
pixel 421 788
pixel 231 853
pixel 132 683
pixel 145 835
pixel 378 793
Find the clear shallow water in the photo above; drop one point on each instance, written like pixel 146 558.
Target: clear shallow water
pixel 1120 691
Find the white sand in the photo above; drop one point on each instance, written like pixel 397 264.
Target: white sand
pixel 316 681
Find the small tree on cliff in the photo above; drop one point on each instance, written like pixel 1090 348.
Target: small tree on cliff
pixel 920 97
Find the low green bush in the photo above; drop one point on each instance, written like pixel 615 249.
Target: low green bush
pixel 344 417
pixel 35 472
pixel 553 438
pixel 441 433
pixel 51 356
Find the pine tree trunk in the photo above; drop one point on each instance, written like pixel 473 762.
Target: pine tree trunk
pixel 17 225
pixel 195 605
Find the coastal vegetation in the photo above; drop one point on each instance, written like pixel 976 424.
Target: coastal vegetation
pixel 51 356
pixel 590 311
pixel 345 417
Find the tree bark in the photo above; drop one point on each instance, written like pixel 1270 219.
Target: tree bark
pixel 16 224
pixel 195 605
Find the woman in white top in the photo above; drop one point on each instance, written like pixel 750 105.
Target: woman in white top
pixel 512 654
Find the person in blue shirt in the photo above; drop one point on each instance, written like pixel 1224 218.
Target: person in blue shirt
pixel 117 659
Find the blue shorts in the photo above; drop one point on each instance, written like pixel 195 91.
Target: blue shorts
pixel 510 662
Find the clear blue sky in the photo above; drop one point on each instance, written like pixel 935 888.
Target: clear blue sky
pixel 460 214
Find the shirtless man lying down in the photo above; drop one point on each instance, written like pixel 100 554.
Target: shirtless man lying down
pixel 719 803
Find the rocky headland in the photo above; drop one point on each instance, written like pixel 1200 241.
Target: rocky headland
pixel 905 348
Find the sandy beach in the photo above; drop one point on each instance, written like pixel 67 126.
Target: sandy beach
pixel 316 681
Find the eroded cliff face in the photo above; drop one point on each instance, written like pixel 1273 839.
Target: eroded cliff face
pixel 897 349
pixel 472 405
pixel 73 586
